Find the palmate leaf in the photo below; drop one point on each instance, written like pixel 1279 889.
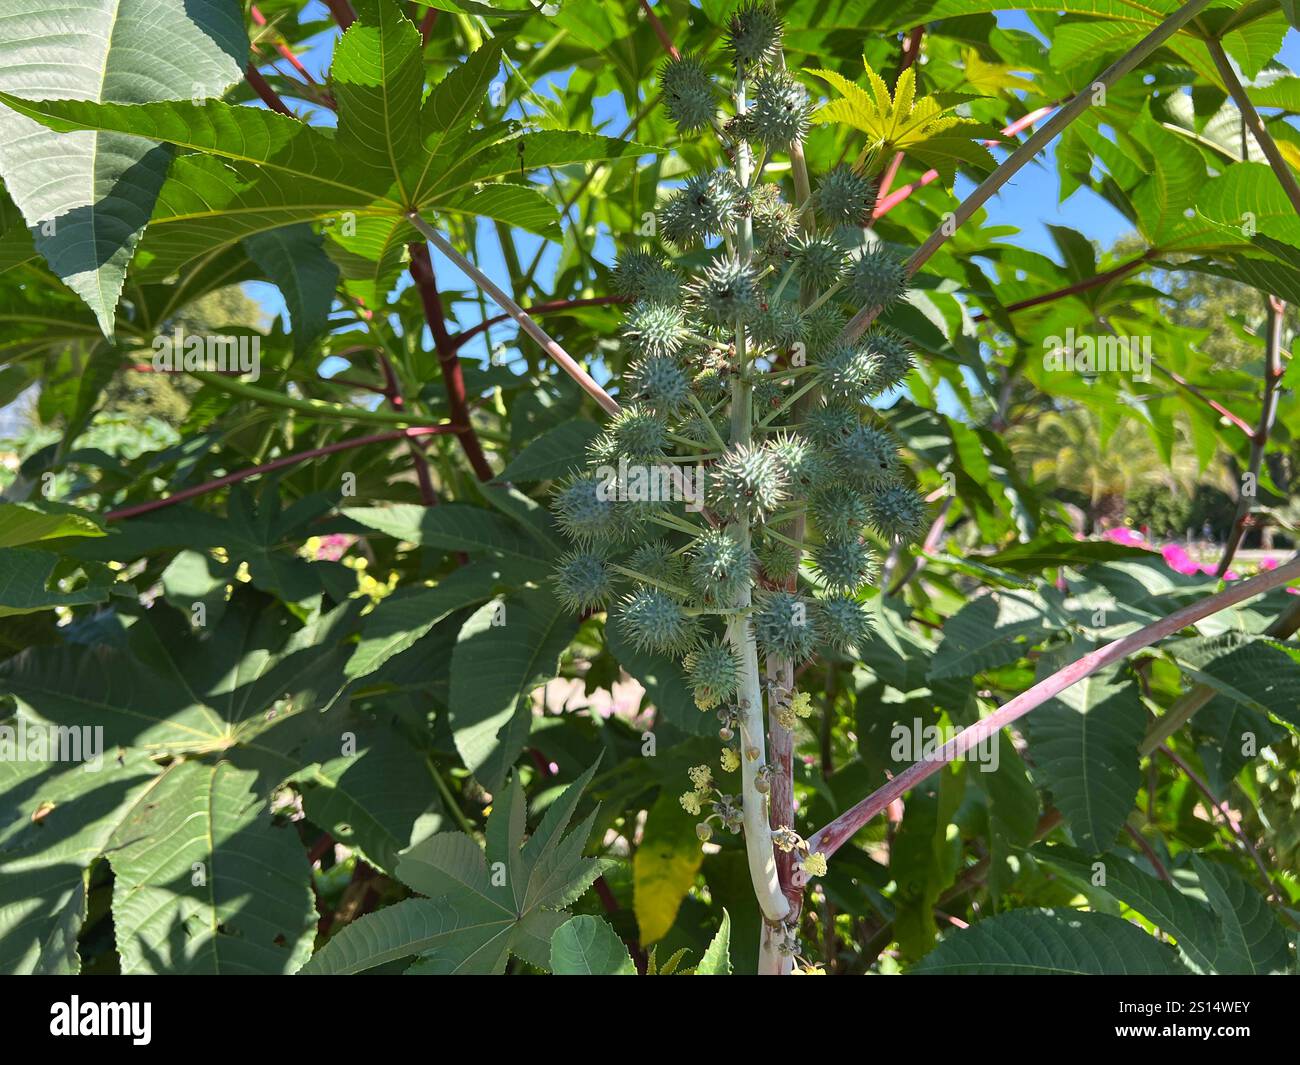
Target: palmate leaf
pixel 87 197
pixel 206 882
pixel 1083 745
pixel 1051 943
pixel 924 128
pixel 587 946
pixel 33 522
pixel 1228 929
pixel 257 171
pixel 480 908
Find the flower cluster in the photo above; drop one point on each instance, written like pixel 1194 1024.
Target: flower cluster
pixel 743 385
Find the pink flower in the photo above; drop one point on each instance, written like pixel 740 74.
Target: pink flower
pixel 1123 535
pixel 333 546
pixel 1179 560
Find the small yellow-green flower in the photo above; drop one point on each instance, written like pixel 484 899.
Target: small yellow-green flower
pixel 730 760
pixel 815 864
pixel 812 970
pixel 701 776
pixel 691 803
pixel 801 704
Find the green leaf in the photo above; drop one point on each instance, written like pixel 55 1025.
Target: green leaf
pixel 587 946
pixel 294 258
pixel 1051 943
pixel 30 580
pixel 1251 672
pixel 206 882
pixel 664 867
pixel 29 523
pixel 504 651
pixel 554 453
pixel 983 633
pixel 1083 746
pixel 452 527
pixel 481 908
pixel 717 957
pixel 87 196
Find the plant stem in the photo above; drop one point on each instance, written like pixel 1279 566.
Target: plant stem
pixel 507 304
pixel 275 464
pixel 831 837
pixel 317 408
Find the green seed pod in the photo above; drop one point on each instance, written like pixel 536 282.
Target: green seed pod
pixel 655 330
pixel 638 434
pixel 777 559
pixel 720 566
pixel 768 394
pixel 776 326
pixel 877 279
pixel 775 222
pixel 844 565
pixel 800 464
pixel 585 509
pixel 726 293
pixel 706 206
pixel 689 94
pixel 779 111
pixel 839 510
pixel 653 621
pixel 842 622
pixel 783 625
pixel 845 198
pixel 642 274
pixel 890 360
pixel 830 424
pixel 754 34
pixel 897 512
pixel 868 456
pixel 583 580
pixel 710 385
pixel 819 262
pixel 713 672
pixel 845 373
pixel 746 482
pixel 660 384
pixel 656 559
pixel 822 327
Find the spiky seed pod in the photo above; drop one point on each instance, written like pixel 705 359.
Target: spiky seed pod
pixel 783 625
pixel 890 360
pixel 845 198
pixel 726 293
pixel 776 326
pixel 656 559
pixel 819 262
pixel 830 424
pixel 822 327
pixel 839 510
pixel 844 565
pixel 585 509
pixel 845 373
pixel 775 221
pixel 706 206
pixel 754 34
pixel 710 385
pixel 868 456
pixel 642 274
pixel 655 330
pixel 713 672
pixel 778 560
pixel 654 621
pixel 877 279
pixel 779 111
pixel 768 394
pixel 696 428
pixel 842 622
pixel 897 512
pixel 747 482
pixel 660 384
pixel 720 566
pixel 799 462
pixel 639 435
pixel 689 94
pixel 583 580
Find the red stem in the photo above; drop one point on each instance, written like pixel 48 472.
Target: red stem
pixel 284 49
pixel 1076 287
pixel 660 32
pixel 452 378
pixel 834 835
pixel 263 89
pixel 274 464
pixel 342 12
